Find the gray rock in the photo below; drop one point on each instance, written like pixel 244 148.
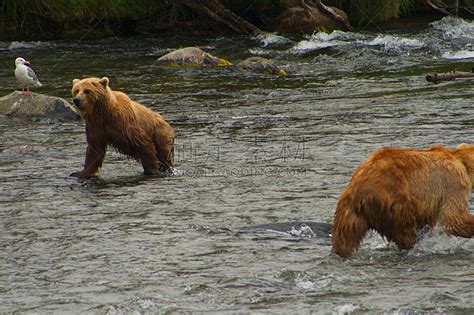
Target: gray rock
pixel 37 107
pixel 191 56
pixel 261 65
pixel 308 19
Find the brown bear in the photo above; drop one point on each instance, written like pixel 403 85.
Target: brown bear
pixel 113 119
pixel 399 191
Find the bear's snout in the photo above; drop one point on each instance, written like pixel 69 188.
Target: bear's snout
pixel 77 102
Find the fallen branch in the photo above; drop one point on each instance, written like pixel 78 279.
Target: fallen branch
pixel 436 8
pixel 469 10
pixel 333 15
pixel 243 24
pixel 438 77
pixel 216 11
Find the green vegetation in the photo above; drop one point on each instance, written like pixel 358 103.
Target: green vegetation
pixel 19 10
pixel 407 7
pixel 43 17
pixel 65 18
pixel 104 8
pixel 363 12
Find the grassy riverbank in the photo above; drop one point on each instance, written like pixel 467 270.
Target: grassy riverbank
pixel 56 18
pixel 37 19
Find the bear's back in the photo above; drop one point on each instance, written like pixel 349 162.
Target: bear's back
pixel 396 171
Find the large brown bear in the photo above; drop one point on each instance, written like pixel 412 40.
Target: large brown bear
pixel 397 192
pixel 113 119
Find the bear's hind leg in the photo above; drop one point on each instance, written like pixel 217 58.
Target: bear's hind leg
pixel 457 220
pixel 348 231
pixel 402 226
pixel 406 239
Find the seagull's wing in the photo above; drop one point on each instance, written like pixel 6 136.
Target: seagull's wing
pixel 32 74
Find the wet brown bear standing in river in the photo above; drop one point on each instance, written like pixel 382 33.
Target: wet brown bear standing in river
pixel 397 192
pixel 113 119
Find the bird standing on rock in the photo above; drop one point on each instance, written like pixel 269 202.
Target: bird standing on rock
pixel 25 75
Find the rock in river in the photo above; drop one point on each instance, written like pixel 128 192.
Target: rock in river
pixel 309 19
pixel 261 65
pixel 191 56
pixel 37 107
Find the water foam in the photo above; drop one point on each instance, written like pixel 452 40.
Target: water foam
pixel 312 45
pixel 272 40
pixel 28 45
pixel 454 28
pixel 303 231
pixel 177 172
pixel 438 242
pixel 323 40
pixel 346 308
pixel 390 43
pixel 337 35
pixel 319 284
pixel 260 52
pixel 461 54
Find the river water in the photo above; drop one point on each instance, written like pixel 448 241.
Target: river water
pixel 251 149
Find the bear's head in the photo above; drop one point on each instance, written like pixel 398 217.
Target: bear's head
pixel 465 152
pixel 90 92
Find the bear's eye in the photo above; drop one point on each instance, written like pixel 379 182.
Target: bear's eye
pixel 87 91
pixel 75 92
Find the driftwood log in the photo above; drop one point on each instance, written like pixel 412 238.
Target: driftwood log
pixel 438 77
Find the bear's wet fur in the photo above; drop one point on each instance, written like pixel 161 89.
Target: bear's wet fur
pixel 113 119
pixel 400 191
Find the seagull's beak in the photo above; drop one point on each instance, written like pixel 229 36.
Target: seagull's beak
pixel 26 62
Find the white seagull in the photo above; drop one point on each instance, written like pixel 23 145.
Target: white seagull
pixel 25 75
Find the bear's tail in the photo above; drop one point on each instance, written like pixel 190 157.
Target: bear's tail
pixel 348 230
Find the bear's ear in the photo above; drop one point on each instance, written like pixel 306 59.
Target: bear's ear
pixel 104 81
pixel 75 81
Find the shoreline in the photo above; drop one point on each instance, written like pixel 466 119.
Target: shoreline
pixel 157 22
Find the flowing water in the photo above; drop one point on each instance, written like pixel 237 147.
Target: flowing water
pixel 251 149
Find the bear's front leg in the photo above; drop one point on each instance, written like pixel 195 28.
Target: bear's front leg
pixel 151 164
pixel 165 153
pixel 95 155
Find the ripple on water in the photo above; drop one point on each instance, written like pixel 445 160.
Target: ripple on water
pixel 461 54
pixel 128 243
pixel 29 45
